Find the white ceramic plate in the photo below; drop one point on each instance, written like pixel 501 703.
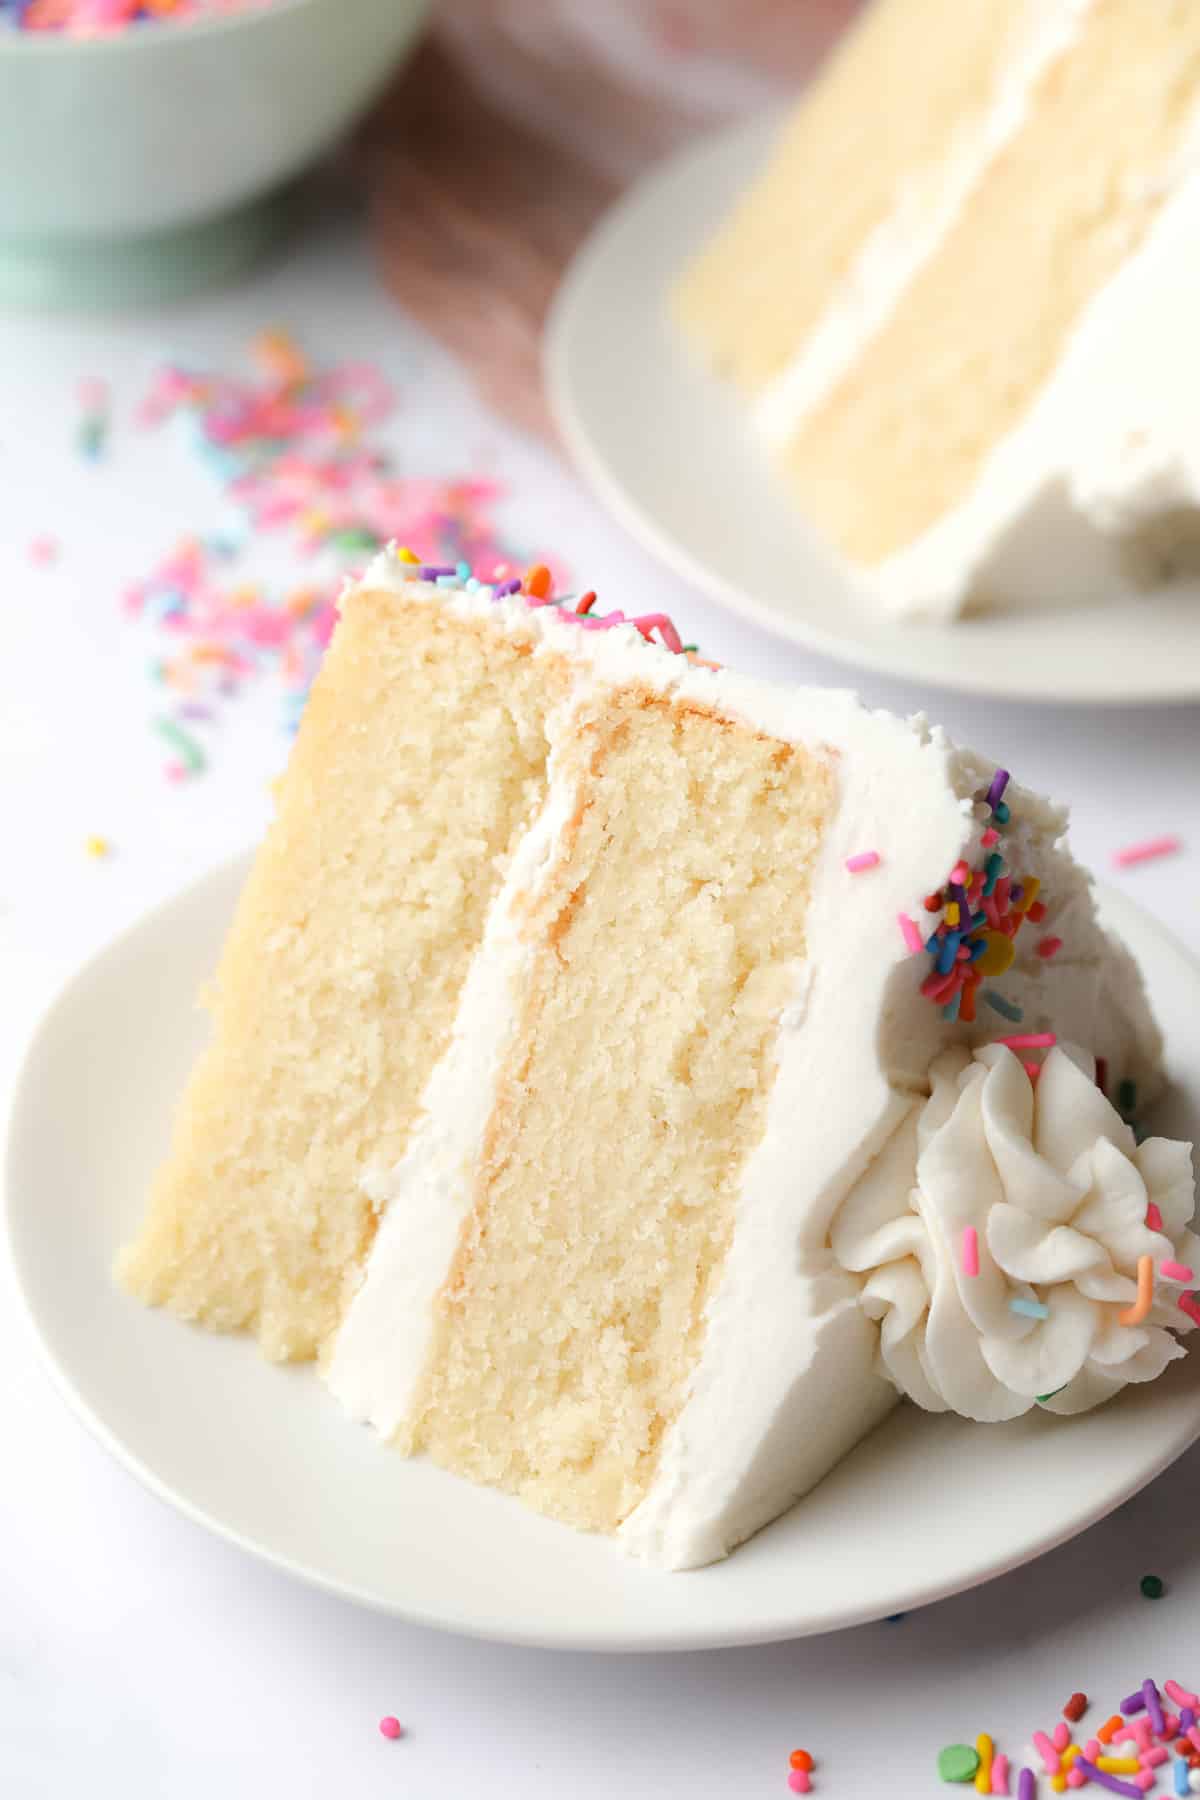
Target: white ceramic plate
pixel 264 1456
pixel 670 452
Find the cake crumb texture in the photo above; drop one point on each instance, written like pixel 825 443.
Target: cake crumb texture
pixel 420 759
pixel 663 938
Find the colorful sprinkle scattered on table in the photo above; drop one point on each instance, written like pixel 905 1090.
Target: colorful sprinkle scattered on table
pixel 294 450
pixel 391 1727
pixel 1135 1747
pixel 1153 1587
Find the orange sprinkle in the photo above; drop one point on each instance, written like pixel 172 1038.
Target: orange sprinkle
pixel 537 582
pixel 586 601
pixel 800 1759
pixel 1133 1315
pixel 1109 1728
pixel 700 662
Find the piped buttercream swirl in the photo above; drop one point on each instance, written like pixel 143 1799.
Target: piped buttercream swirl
pixel 1063 1202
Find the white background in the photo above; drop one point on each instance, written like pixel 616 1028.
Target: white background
pixel 140 1657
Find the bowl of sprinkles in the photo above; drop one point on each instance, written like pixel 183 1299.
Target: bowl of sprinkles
pixel 152 146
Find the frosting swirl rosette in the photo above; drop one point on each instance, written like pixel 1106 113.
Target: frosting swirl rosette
pixel 1064 1205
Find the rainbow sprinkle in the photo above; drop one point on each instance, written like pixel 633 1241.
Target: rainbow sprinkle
pixel 982 911
pixel 292 449
pixel 1122 1757
pixel 108 18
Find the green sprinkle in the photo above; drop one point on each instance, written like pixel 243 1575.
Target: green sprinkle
pixel 355 538
pixel 1153 1586
pixel 1000 813
pixel 186 748
pixel 1042 1398
pixel 958 1762
pixel 1127 1096
pixel 1006 1008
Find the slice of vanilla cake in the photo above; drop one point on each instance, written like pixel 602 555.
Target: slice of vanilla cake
pixel 692 945
pixel 960 297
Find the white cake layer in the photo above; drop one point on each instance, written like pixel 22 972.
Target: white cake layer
pixel 785 1382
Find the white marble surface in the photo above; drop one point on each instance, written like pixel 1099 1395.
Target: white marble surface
pixel 137 1655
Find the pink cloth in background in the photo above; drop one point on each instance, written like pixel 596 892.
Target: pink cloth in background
pixel 516 124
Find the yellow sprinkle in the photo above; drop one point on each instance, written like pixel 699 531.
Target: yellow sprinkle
pixel 1118 1765
pixel 97 846
pixel 1029 894
pixel 985 1750
pixel 952 919
pixel 406 555
pixel 1067 1757
pixel 997 958
pixel 1059 1783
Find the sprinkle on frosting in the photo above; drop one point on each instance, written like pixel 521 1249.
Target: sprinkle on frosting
pixel 865 859
pixel 982 911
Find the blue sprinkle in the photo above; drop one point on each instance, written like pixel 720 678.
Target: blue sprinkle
pixel 1001 813
pixel 978 946
pixel 1180 1771
pixel 950 1010
pixel 1029 1309
pixel 462 570
pixel 948 953
pixel 933 944
pixel 448 581
pixel 895 1618
pixel 472 585
pixel 1005 1008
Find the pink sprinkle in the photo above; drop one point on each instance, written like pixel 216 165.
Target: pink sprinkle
pixel 1154 1221
pixel 1154 1759
pixel 1048 1753
pixel 1030 1040
pixel 912 936
pixel 1145 1780
pixel 670 636
pixel 1061 1735
pixel 390 1727
pixel 991 836
pixel 1147 851
pixel 959 873
pixel 1049 947
pixel 1178 1694
pixel 865 859
pixel 176 772
pixel 43 550
pixel 999 1773
pixel 1188 1305
pixel 1075 1777
pixel 1033 1070
pixel 1170 1725
pixel 1174 1271
pixel 1093 1748
pixel 970 1250
pixel 798 1781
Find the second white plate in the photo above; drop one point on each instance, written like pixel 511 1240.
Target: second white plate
pixel 264 1456
pixel 669 449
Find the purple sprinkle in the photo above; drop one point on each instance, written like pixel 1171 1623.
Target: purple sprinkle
pixel 431 571
pixel 1153 1707
pixel 995 793
pixel 1016 893
pixel 506 588
pixel 1105 1780
pixel 1134 1703
pixel 1026 1785
pixel 1187 1719
pixel 958 897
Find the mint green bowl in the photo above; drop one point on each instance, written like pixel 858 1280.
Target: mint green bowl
pixel 140 166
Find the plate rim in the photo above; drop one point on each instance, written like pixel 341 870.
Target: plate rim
pixel 559 346
pixel 1116 908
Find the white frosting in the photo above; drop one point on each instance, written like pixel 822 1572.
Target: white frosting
pixel 924 209
pixel 1055 1187
pixel 785 1381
